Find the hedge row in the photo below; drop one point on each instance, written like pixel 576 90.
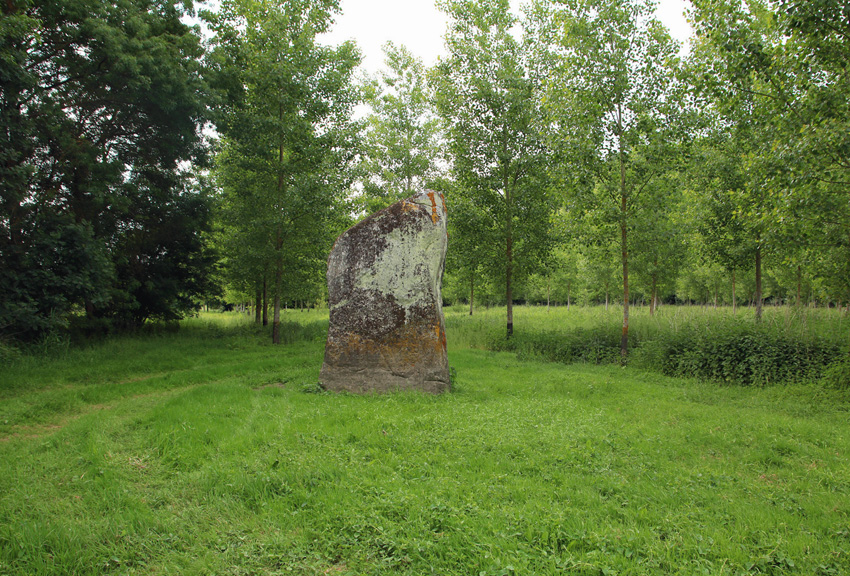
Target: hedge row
pixel 742 354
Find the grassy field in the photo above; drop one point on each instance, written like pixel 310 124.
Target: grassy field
pixel 209 451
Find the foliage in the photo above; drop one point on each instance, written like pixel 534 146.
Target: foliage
pixel 613 120
pixel 100 106
pixel 488 98
pixel 598 345
pixel 743 354
pixel 837 375
pixel 711 345
pixel 283 108
pixel 402 132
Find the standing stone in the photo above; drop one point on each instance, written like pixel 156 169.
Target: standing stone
pixel 385 274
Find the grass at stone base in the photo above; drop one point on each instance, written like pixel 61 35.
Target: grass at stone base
pixel 210 452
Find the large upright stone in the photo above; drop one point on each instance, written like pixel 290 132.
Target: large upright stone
pixel 385 274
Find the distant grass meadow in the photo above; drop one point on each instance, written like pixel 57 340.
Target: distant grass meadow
pixel 210 451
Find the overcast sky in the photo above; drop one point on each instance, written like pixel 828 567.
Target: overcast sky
pixel 420 26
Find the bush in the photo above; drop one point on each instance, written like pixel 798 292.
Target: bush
pixel 724 350
pixel 599 345
pixel 745 354
pixel 837 375
pixel 8 353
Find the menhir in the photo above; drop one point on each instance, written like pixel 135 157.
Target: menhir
pixel 387 330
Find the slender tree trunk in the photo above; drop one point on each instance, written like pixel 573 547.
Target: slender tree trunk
pixel 569 290
pixel 799 285
pixel 278 270
pixel 278 278
pixel 652 301
pixel 759 298
pixel 624 340
pixel 258 304
pixel 548 293
pixel 265 301
pixel 734 297
pixel 471 292
pixel 509 295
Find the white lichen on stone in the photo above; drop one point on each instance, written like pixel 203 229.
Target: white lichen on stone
pixel 394 271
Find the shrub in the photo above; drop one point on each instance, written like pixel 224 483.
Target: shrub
pixel 721 350
pixel 837 375
pixel 745 354
pixel 600 345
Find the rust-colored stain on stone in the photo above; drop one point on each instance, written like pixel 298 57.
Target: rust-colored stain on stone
pixel 434 216
pixel 387 330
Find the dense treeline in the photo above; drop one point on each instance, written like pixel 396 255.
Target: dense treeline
pixel 102 105
pixel 584 158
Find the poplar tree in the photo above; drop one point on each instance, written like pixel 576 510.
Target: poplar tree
pixel 284 112
pixel 613 115
pixel 401 153
pixel 490 103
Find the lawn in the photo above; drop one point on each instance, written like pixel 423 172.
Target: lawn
pixel 209 451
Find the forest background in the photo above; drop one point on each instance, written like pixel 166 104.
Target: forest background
pixel 148 168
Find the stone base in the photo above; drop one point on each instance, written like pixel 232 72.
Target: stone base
pixel 367 380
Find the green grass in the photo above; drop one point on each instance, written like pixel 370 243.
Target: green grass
pixel 790 345
pixel 210 451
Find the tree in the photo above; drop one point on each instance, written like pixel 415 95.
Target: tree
pixel 489 102
pixel 613 113
pixel 658 239
pixel 813 152
pixel 100 108
pixel 742 86
pixel 284 113
pixel 715 176
pixel 402 131
pixel 473 243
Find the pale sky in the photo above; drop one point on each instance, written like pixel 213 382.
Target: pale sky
pixel 420 26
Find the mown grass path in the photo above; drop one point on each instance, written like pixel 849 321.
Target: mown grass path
pixel 210 452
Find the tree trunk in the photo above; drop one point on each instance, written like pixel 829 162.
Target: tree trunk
pixel 265 301
pixel 548 293
pixel 653 298
pixel 624 240
pixel 799 285
pixel 278 278
pixel 624 246
pixel 258 304
pixel 624 340
pixel 278 270
pixel 734 297
pixel 569 290
pixel 471 292
pixel 509 295
pixel 759 299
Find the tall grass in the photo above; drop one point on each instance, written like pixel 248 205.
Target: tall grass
pixel 789 345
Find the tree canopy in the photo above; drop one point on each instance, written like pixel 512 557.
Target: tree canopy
pixel 148 166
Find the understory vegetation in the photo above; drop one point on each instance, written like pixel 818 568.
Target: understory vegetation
pixel 791 345
pixel 209 450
